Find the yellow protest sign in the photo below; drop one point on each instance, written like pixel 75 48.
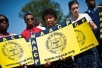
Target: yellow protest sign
pixel 58 41
pixel 84 35
pixel 14 51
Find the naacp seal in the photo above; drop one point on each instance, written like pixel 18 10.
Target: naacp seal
pixel 56 42
pixel 80 37
pixel 12 50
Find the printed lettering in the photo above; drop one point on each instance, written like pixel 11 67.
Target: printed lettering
pixel 4 39
pixel 76 24
pixel 100 13
pixel 19 36
pixel 33 42
pixel 101 25
pixel 59 26
pixel 100 35
pixel 83 20
pixel 67 22
pixel 100 30
pixel 100 19
pixel 50 30
pixel 33 36
pixel 12 37
pixel 62 55
pixel 34 48
pixel 42 33
pixel 35 54
pixel 36 61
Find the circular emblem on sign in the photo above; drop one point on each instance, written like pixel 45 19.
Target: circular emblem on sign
pixel 12 50
pixel 56 42
pixel 80 37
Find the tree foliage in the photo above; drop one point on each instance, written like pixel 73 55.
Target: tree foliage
pixel 36 7
pixel 100 7
pixel 67 16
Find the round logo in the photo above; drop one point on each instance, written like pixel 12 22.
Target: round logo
pixel 80 37
pixel 12 50
pixel 56 42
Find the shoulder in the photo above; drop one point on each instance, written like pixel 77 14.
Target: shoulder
pixel 88 18
pixel 84 15
pixel 86 12
pixel 12 34
pixel 1 36
pixel 24 31
pixel 68 19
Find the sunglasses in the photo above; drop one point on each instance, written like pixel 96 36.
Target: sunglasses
pixel 29 19
pixel 2 20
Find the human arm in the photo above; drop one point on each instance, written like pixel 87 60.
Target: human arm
pixel 91 23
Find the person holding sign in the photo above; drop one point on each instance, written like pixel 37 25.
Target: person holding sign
pixel 94 14
pixel 50 18
pixel 4 24
pixel 30 27
pixel 90 58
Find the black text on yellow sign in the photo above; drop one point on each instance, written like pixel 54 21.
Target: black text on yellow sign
pixel 55 42
pixel 34 43
pixel 13 50
pixel 84 35
pixel 78 23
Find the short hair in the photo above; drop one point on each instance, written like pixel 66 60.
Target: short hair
pixel 49 11
pixel 87 1
pixel 5 18
pixel 71 3
pixel 37 22
pixel 27 15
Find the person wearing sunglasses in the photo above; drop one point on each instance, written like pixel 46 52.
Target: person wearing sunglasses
pixel 30 27
pixel 4 25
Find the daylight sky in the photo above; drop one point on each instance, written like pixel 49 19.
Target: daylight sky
pixel 11 9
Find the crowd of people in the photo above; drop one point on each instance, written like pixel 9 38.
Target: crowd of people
pixel 91 58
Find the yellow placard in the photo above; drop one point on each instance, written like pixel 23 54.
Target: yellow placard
pixel 84 35
pixel 14 52
pixel 56 42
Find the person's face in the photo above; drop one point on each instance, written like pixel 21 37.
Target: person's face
pixel 29 20
pixel 50 21
pixel 75 9
pixel 3 23
pixel 91 4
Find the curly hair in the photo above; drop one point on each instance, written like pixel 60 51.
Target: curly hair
pixel 49 11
